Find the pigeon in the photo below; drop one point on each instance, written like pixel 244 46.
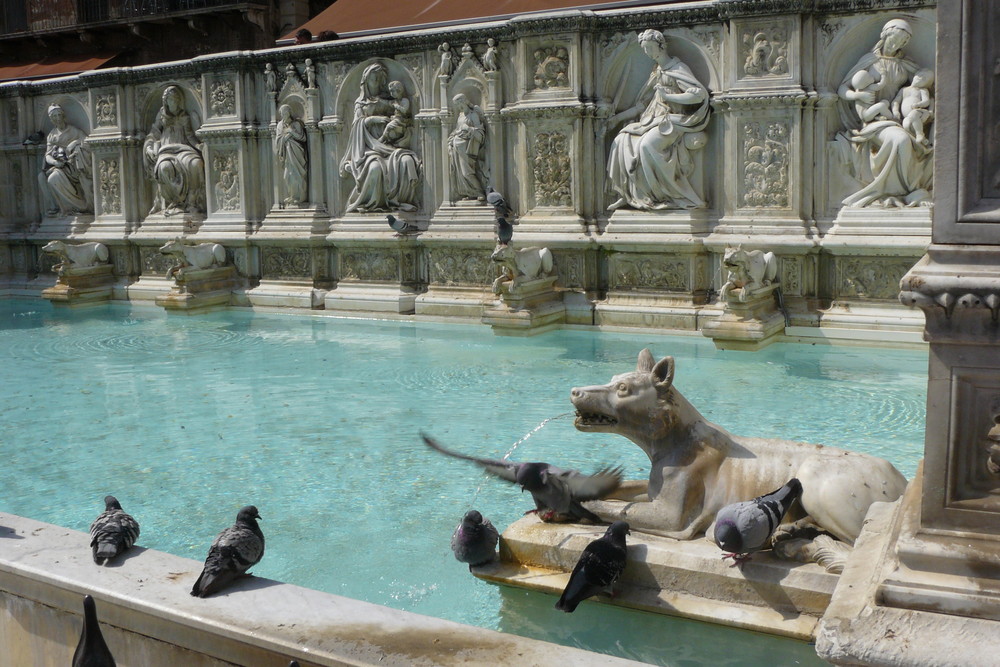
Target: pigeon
pixel 557 493
pixel 295 663
pixel 474 540
pixel 113 532
pixel 505 231
pixel 402 227
pixel 234 551
pixel 91 651
pixel 34 139
pixel 599 567
pixel 497 201
pixel 744 527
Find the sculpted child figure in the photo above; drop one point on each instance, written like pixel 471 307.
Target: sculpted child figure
pixel 913 104
pixel 400 120
pixel 863 81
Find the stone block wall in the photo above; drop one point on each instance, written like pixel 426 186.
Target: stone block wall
pixel 636 144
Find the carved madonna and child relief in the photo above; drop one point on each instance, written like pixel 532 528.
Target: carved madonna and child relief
pixel 386 172
pixel 172 158
pixel 888 148
pixel 66 177
pixel 651 159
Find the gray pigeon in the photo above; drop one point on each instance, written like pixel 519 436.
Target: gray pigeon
pixel 92 651
pixel 474 540
pixel 498 202
pixel 557 493
pixel 505 231
pixel 745 527
pixel 402 227
pixel 113 532
pixel 234 551
pixel 599 567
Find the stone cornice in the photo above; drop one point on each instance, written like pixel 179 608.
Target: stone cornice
pixel 789 98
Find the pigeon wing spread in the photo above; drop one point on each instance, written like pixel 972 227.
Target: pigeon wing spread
pixel 503 469
pixel 234 551
pixel 112 533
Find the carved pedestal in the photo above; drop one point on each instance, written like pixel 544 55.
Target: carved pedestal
pixel 200 289
pixel 62 226
pixel 532 308
pixel 294 220
pixel 165 225
pixel 747 325
pixel 83 286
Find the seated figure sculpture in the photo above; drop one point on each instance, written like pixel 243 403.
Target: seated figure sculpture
pixel 171 154
pixel 697 467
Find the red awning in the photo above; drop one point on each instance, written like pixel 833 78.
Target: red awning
pixel 53 66
pixel 347 17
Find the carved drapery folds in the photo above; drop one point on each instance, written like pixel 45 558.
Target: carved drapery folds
pixel 66 178
pixel 467 146
pixel 292 157
pixel 173 159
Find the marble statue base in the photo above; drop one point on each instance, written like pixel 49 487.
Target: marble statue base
pixel 464 216
pixel 158 224
pixel 747 325
pixel 61 226
pixel 198 290
pixel 673 221
pixel 532 308
pixel 884 222
pixel 295 220
pixel 83 286
pixel 667 576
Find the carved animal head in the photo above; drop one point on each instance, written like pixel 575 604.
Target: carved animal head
pixel 640 405
pixel 733 258
pixel 55 247
pixel 174 247
pixel 502 254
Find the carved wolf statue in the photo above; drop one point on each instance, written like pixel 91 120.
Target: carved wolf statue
pixel 77 256
pixel 520 265
pixel 749 270
pixel 697 468
pixel 201 256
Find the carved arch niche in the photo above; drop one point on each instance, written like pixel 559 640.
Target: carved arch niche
pixel 469 80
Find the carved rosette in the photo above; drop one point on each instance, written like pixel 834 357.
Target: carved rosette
pixel 110 186
pixel 226 170
pixel 645 271
pixel 369 265
pixel 765 164
pixel 287 263
pixel 764 51
pixel 460 266
pixel 552 170
pixel 106 110
pixel 871 277
pixel 223 98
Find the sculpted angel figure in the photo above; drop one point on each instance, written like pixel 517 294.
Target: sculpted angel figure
pixel 888 153
pixel 290 152
pixel 172 157
pixel 466 151
pixel 66 178
pixel 652 159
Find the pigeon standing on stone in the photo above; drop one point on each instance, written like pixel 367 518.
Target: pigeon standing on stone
pixel 91 651
pixel 745 527
pixel 234 551
pixel 557 493
pixel 401 226
pixel 113 532
pixel 475 540
pixel 599 567
pixel 498 202
pixel 505 231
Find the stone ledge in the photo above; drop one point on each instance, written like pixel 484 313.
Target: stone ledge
pixel 149 618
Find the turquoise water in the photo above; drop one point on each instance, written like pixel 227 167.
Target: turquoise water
pixel 315 420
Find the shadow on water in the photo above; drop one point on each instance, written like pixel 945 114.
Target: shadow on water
pixel 647 637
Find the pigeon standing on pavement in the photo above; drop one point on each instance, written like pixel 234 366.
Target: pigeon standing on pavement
pixel 557 493
pixel 234 551
pixel 745 527
pixel 475 540
pixel 599 567
pixel 505 231
pixel 401 226
pixel 113 532
pixel 498 202
pixel 91 651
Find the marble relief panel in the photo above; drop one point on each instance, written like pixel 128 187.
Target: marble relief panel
pixel 460 266
pixel 648 271
pixel 369 264
pixel 286 262
pixel 871 277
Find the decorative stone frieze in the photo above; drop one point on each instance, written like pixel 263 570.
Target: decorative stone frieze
pixel 765 164
pixel 281 262
pixel 870 277
pixel 373 265
pixel 460 266
pixel 648 271
pixel 109 176
pixel 226 176
pixel 552 170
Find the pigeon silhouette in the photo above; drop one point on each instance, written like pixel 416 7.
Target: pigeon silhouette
pixel 498 202
pixel 113 532
pixel 557 493
pixel 401 227
pixel 91 651
pixel 474 540
pixel 234 551
pixel 745 527
pixel 599 567
pixel 505 231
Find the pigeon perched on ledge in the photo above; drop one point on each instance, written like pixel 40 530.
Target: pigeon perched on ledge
pixel 475 540
pixel 599 567
pixel 91 651
pixel 401 227
pixel 745 527
pixel 498 202
pixel 113 532
pixel 505 231
pixel 234 551
pixel 557 493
